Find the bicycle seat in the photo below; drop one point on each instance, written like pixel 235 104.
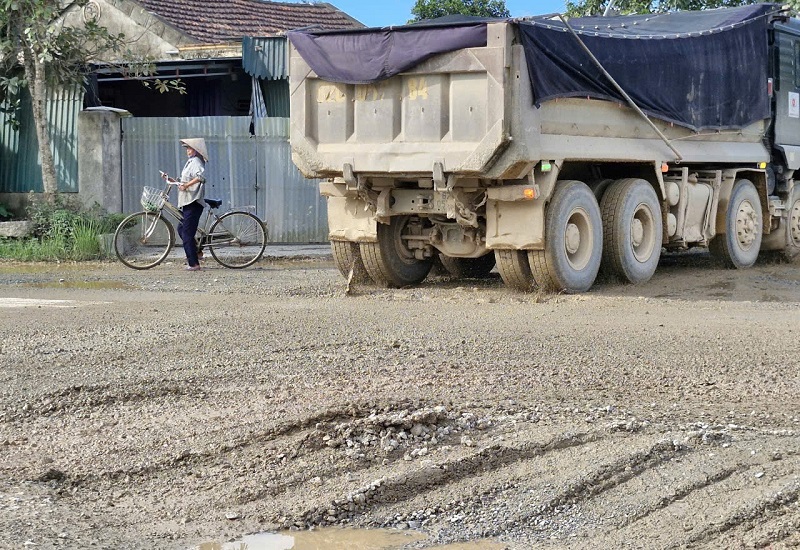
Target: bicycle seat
pixel 214 203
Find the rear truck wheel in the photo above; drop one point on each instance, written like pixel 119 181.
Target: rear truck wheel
pixel 599 187
pixel 740 244
pixel 389 262
pixel 468 268
pixel 792 249
pixel 573 240
pixel 347 257
pixel 514 269
pixel 632 230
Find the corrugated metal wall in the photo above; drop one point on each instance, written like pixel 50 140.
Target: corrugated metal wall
pixel 20 165
pixel 242 170
pixel 276 96
pixel 265 58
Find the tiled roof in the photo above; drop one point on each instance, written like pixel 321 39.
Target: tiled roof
pixel 219 21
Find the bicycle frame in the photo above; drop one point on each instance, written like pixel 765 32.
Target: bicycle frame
pixel 171 209
pixel 236 238
pixel 203 235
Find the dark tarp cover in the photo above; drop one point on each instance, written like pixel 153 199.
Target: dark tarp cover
pixel 703 69
pixel 699 69
pixel 365 56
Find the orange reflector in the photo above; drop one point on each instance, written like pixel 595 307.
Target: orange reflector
pixel 664 167
pixel 529 193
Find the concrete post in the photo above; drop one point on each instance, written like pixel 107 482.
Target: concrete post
pixel 100 157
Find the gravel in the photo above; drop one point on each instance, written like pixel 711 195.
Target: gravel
pixel 169 409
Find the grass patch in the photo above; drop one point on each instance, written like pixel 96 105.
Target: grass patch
pixel 63 230
pixel 85 243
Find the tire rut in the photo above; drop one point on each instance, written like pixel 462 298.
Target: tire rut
pixel 603 478
pixel 434 475
pixel 780 496
pixel 727 491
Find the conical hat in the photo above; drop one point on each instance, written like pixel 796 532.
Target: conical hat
pixel 198 144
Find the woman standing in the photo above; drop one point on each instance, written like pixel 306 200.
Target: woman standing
pixel 191 193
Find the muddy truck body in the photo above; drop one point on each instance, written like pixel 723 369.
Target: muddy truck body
pixel 554 149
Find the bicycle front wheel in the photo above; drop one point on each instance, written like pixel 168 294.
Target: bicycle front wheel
pixel 237 239
pixel 143 240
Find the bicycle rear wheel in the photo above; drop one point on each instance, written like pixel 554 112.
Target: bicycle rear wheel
pixel 143 240
pixel 237 239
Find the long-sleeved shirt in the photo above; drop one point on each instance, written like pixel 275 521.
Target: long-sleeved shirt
pixel 195 168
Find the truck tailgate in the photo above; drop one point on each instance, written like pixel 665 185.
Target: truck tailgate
pixel 450 109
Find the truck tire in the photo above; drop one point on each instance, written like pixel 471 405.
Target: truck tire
pixel 389 262
pixel 632 230
pixel 573 240
pixel 792 249
pixel 347 256
pixel 599 187
pixel 741 243
pixel 468 268
pixel 514 269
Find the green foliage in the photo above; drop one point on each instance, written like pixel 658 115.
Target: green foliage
pixel 34 28
pixel 23 250
pixel 11 83
pixel 597 7
pixel 63 230
pixel 5 212
pixel 36 39
pixel 431 9
pixel 85 245
pixel 108 223
pixel 33 35
pixel 164 86
pixel 51 217
pixel 32 250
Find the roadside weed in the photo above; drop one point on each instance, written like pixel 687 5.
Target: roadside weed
pixel 62 230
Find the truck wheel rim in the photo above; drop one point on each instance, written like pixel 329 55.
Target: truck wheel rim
pixel 400 246
pixel 794 223
pixel 746 229
pixel 642 233
pixel 578 240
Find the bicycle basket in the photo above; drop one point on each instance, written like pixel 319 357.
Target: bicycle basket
pixel 152 199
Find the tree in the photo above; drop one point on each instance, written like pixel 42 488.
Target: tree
pixel 51 55
pixel 431 9
pixel 597 7
pixel 39 51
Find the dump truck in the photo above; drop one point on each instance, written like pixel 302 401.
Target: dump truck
pixel 554 149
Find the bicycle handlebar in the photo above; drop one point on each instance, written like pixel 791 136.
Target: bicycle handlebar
pixel 167 178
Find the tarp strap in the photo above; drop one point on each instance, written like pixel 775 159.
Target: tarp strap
pixel 631 102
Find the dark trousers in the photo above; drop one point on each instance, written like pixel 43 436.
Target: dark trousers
pixel 187 229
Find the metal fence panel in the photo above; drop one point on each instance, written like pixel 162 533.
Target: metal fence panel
pixel 297 211
pixel 243 170
pixel 20 164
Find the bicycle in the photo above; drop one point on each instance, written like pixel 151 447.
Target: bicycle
pixel 236 238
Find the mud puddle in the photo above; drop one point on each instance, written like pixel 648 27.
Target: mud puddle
pixel 29 302
pixel 340 539
pixel 6 303
pixel 84 285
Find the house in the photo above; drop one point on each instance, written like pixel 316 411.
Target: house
pixel 199 44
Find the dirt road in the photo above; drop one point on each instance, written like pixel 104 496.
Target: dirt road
pixel 165 409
